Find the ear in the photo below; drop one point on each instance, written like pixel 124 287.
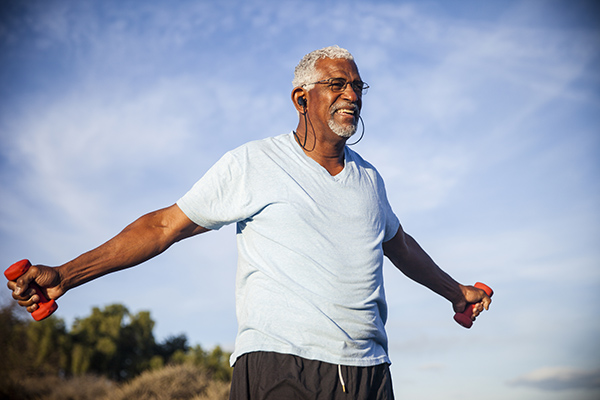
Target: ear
pixel 299 99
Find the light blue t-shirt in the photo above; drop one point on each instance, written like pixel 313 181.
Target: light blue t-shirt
pixel 309 279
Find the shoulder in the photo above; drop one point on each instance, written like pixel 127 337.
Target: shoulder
pixel 362 164
pixel 263 146
pixel 262 154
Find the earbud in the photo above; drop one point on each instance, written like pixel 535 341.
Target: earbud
pixel 302 101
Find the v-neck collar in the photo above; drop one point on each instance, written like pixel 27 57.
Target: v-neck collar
pixel 315 165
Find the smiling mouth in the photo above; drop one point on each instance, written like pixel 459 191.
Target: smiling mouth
pixel 346 110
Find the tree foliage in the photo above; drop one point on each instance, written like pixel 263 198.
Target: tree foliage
pixel 110 342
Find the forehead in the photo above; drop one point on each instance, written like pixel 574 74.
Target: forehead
pixel 337 68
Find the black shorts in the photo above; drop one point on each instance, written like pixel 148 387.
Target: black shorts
pixel 274 376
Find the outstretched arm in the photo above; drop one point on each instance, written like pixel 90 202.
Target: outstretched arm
pixel 145 238
pixel 406 254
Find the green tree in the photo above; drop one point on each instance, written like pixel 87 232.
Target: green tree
pixel 216 361
pixel 13 345
pixel 172 345
pixel 112 342
pixel 29 349
pixel 109 342
pixel 49 345
pixel 136 345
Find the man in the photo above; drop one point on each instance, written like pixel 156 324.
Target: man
pixel 313 224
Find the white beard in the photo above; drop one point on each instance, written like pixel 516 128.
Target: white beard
pixel 342 131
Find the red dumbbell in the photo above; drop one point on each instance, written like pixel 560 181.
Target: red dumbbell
pixel 47 306
pixel 464 318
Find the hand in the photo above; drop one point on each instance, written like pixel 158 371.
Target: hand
pixel 47 278
pixel 475 296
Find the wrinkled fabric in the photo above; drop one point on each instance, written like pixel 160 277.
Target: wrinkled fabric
pixel 310 260
pixel 273 376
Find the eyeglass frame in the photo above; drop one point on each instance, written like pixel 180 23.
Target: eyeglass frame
pixel 361 90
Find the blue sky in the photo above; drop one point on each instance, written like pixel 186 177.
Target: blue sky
pixel 483 118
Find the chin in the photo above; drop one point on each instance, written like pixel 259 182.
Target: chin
pixel 342 131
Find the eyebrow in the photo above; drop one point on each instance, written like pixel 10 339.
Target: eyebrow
pixel 346 80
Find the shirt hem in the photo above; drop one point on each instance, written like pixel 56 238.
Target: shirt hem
pixel 367 361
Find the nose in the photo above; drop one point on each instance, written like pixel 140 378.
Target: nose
pixel 350 94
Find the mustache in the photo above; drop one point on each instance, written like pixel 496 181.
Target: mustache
pixel 345 104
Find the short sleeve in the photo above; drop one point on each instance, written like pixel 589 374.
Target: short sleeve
pixel 392 223
pixel 218 198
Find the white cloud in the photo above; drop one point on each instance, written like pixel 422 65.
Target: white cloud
pixel 466 121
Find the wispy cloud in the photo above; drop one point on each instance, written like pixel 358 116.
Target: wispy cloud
pixel 432 367
pixel 559 379
pixel 485 130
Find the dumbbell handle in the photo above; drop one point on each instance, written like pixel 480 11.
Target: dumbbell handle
pixel 464 318
pixel 46 306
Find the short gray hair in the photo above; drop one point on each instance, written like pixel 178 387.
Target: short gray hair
pixel 306 71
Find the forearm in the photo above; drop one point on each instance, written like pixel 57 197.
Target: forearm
pixel 145 238
pixel 408 256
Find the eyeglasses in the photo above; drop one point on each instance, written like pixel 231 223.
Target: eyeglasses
pixel 340 84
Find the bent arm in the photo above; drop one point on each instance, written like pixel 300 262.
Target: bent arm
pixel 408 256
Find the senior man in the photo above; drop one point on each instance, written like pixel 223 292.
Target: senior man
pixel 313 226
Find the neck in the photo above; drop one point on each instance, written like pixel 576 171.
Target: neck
pixel 326 148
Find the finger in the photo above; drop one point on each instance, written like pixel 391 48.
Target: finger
pixel 18 294
pixel 12 285
pixel 486 302
pixel 22 283
pixel 477 309
pixel 33 307
pixel 27 302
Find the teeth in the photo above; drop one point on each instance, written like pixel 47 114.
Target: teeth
pixel 351 112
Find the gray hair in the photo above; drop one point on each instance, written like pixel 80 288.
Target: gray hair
pixel 306 71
